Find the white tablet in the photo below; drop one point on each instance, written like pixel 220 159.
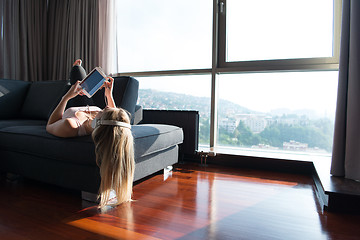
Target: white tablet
pixel 93 82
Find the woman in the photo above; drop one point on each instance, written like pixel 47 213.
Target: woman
pixel 76 121
pixel 111 132
pixel 114 149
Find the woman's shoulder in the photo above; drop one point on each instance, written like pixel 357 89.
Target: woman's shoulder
pixel 94 108
pixel 84 108
pixel 71 112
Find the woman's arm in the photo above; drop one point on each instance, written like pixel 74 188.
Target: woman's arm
pixel 109 85
pixel 58 112
pixel 63 127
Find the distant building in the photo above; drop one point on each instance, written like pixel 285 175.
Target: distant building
pixel 290 120
pixel 256 123
pixel 295 146
pixel 229 124
pixel 264 146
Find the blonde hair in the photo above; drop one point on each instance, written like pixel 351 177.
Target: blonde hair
pixel 114 149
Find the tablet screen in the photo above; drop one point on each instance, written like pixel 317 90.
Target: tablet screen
pixel 93 82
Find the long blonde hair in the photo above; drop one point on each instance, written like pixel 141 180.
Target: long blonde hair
pixel 114 149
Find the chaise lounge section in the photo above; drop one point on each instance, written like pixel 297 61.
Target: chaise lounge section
pixel 28 150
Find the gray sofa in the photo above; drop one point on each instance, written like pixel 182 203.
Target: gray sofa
pixel 28 150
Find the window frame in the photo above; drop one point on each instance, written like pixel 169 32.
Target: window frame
pixel 324 63
pixel 219 64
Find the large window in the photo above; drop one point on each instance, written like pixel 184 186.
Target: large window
pixel 263 72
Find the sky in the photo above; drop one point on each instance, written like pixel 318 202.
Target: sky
pixel 291 90
pixel 263 29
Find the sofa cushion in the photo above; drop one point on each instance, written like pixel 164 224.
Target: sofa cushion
pixel 151 138
pixel 42 98
pixel 34 140
pixel 12 95
pixel 20 122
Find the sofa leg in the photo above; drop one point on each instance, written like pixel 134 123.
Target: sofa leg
pixel 167 172
pixel 88 196
pixel 11 177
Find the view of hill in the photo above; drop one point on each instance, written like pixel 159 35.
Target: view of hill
pixel 153 99
pixel 277 128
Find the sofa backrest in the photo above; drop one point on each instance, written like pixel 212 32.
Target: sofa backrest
pixel 12 96
pixel 126 90
pixel 37 100
pixel 42 98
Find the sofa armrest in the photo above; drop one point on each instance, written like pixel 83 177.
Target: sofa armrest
pixel 125 94
pixel 138 115
pixel 187 120
pixel 12 95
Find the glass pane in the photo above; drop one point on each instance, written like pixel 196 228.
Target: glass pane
pixel 163 35
pixel 279 29
pixel 187 92
pixel 267 114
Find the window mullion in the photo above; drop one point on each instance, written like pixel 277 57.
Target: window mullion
pixel 215 61
pixel 221 35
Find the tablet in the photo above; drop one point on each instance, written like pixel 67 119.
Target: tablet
pixel 93 82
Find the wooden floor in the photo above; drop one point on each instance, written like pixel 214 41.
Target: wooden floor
pixel 192 202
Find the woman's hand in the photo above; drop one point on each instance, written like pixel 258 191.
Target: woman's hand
pixel 73 91
pixel 109 85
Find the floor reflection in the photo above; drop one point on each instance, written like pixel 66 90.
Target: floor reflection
pixel 203 203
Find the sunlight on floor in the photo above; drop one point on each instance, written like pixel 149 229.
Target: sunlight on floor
pixel 187 202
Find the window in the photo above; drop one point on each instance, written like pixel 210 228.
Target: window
pixel 271 114
pixel 163 35
pixel 190 92
pixel 280 110
pixel 278 35
pixel 278 29
pixel 246 59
